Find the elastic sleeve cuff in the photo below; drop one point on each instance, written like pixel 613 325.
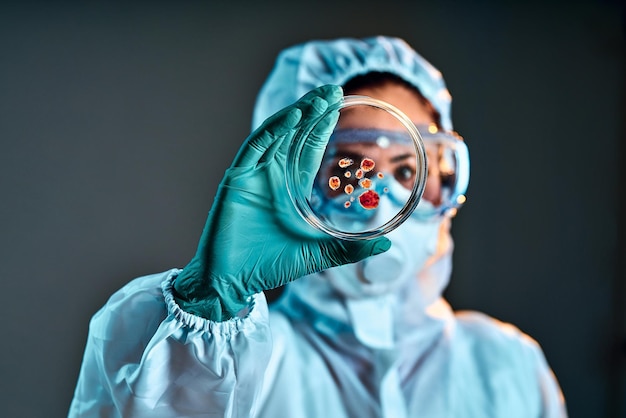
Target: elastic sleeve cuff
pixel 255 313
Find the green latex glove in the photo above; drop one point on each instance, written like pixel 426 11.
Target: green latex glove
pixel 254 239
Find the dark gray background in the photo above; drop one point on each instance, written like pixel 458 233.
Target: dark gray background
pixel 117 120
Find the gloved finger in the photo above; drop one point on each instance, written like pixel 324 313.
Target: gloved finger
pixel 273 130
pixel 315 103
pixel 314 148
pixel 330 94
pixel 274 147
pixel 259 145
pixel 359 250
pixel 314 106
pixel 340 252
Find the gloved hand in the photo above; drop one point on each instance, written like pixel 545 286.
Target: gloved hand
pixel 254 239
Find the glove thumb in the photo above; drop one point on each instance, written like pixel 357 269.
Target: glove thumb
pixel 353 251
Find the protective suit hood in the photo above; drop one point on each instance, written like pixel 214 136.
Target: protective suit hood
pixel 304 67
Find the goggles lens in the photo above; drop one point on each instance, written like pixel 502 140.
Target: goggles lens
pixel 448 171
pixel 362 166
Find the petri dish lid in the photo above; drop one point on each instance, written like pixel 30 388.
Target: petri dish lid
pixel 371 176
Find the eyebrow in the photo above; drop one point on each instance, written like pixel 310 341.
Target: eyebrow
pixel 356 156
pixel 347 154
pixel 401 157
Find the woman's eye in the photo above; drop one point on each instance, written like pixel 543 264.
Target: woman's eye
pixel 404 173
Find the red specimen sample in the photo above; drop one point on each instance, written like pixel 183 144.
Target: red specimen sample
pixel 369 199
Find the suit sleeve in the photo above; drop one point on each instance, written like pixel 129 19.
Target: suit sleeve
pixel 145 356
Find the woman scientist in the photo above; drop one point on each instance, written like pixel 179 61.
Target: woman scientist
pixel 362 329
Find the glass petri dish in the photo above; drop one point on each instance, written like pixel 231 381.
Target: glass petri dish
pixel 371 176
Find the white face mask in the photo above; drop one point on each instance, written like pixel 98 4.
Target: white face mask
pixel 388 291
pixel 412 244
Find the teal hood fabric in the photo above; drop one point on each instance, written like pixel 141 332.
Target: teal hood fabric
pixel 303 67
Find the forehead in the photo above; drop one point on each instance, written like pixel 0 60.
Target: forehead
pixel 368 117
pixel 372 150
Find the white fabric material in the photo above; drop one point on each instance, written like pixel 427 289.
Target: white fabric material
pixel 147 358
pixel 412 245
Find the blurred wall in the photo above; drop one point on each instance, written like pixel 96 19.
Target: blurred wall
pixel 117 120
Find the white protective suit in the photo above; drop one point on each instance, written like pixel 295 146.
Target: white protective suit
pixel 330 347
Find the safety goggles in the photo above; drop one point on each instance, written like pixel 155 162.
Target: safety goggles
pixel 343 172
